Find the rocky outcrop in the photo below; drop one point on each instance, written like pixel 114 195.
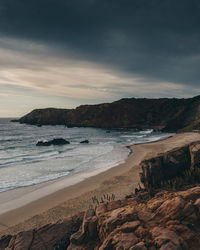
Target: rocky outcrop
pixel 169 220
pixel 170 165
pixel 85 141
pixel 166 114
pixel 57 141
pixel 49 116
pixel 48 237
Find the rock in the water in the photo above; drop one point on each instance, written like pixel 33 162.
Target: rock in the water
pixel 58 141
pixel 14 120
pixel 85 141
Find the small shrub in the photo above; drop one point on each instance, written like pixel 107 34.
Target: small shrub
pixel 103 199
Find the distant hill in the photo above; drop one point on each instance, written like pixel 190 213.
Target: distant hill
pixel 163 114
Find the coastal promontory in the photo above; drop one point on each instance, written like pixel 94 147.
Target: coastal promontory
pixel 167 114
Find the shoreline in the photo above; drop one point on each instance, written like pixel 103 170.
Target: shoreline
pixel 20 194
pixel 51 206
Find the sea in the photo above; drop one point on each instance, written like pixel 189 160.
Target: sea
pixel 23 164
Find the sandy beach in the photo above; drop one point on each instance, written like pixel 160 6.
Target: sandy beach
pixel 37 205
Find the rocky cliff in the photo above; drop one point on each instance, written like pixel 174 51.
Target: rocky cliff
pixel 176 167
pixel 170 219
pixel 167 114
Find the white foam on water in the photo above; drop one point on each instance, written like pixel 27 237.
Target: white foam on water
pixel 23 164
pixel 148 131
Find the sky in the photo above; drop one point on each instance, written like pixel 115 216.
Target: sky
pixel 64 53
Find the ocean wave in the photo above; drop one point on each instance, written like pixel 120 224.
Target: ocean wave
pixel 10 140
pixel 13 147
pixel 24 164
pixel 158 138
pixel 133 136
pixel 9 186
pixel 148 131
pixel 29 158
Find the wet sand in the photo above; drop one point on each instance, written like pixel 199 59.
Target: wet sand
pixel 48 202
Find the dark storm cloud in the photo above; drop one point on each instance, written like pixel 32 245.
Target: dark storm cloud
pixel 156 39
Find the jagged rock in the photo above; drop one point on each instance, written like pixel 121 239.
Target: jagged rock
pixel 154 204
pixel 5 240
pixel 173 223
pixel 144 216
pixel 15 120
pixel 195 154
pixel 57 141
pixel 88 230
pixel 120 241
pixel 189 194
pixel 167 239
pixel 51 236
pixel 139 246
pixel 154 224
pixel 108 222
pixel 171 207
pixel 23 240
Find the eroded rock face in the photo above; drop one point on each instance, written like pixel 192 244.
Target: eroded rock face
pixel 195 154
pixel 170 165
pixel 51 236
pixel 169 220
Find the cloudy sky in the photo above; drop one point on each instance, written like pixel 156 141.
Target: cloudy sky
pixel 63 53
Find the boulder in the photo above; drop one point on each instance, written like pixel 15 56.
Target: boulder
pixel 14 120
